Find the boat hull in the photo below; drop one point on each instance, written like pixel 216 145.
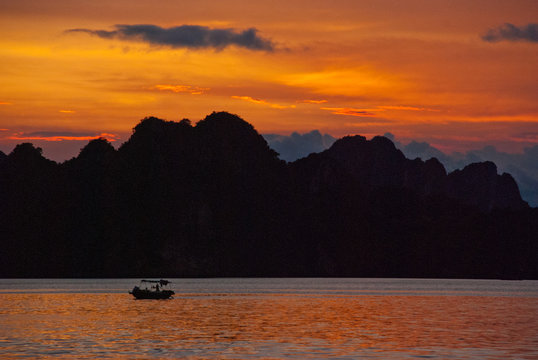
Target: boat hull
pixel 148 294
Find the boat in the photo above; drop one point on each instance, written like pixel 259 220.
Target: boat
pixel 152 289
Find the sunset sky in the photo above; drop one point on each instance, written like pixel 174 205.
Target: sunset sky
pixel 457 74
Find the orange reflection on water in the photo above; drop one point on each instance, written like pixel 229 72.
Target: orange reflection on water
pixel 265 326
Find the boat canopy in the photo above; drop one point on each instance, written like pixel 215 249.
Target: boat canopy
pixel 161 282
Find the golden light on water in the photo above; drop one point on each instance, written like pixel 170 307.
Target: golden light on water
pixel 238 325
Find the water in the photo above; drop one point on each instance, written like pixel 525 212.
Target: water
pixel 271 319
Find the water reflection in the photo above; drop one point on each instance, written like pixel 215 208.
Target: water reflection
pixel 268 326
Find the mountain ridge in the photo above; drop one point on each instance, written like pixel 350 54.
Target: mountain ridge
pixel 213 199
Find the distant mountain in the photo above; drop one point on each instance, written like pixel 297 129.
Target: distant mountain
pixel 377 164
pixel 523 167
pixel 213 199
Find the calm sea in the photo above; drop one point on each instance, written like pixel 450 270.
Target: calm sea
pixel 271 319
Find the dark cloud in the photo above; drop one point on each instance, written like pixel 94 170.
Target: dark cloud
pixel 421 150
pixel 185 36
pixel 510 32
pixel 296 146
pixel 526 136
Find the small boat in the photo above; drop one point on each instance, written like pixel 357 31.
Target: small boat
pixel 152 289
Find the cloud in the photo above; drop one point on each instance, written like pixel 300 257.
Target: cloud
pixel 185 36
pixel 531 137
pixel 373 111
pixel 61 136
pixel 296 146
pixel 5 103
pixel 313 101
pixel 193 90
pixel 408 108
pixel 350 111
pixel 263 102
pixel 510 32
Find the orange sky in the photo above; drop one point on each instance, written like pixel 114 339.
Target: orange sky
pixel 418 69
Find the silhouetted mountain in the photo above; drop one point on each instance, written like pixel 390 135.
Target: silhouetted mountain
pixel 478 184
pixel 213 199
pixel 380 214
pixel 29 188
pixel 378 164
pixel 523 167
